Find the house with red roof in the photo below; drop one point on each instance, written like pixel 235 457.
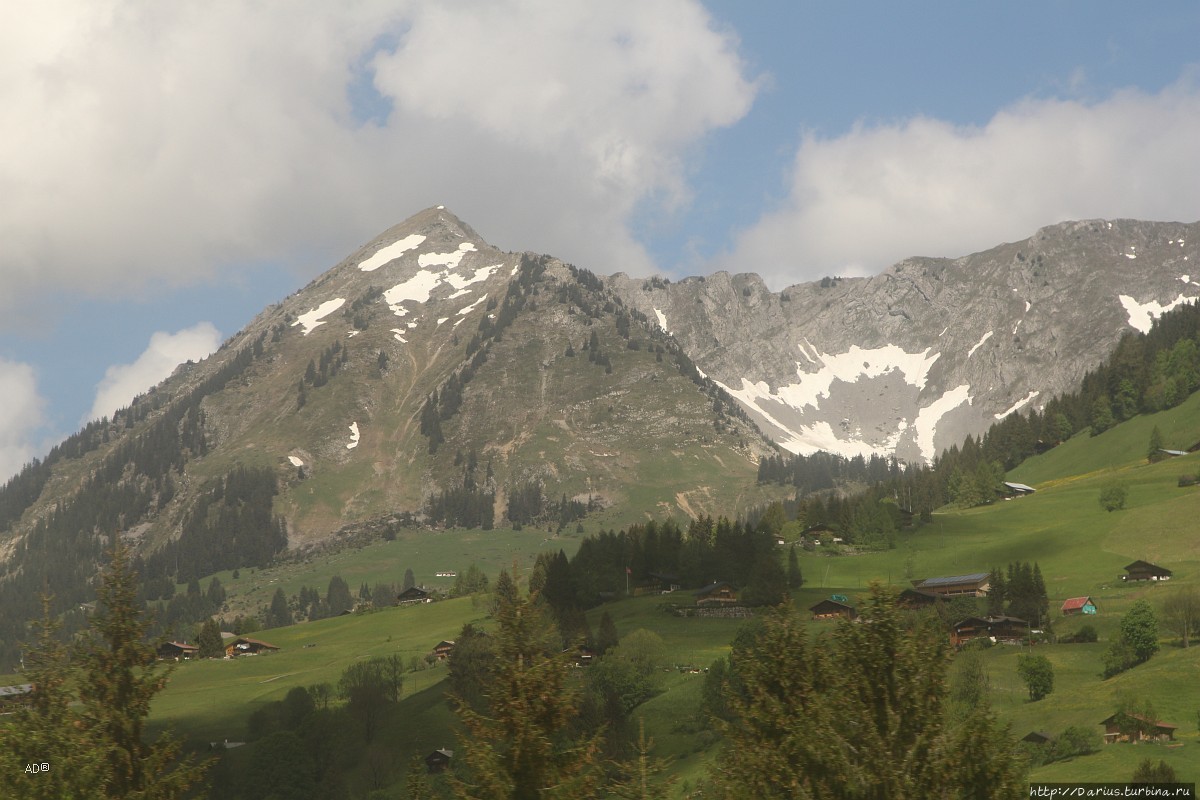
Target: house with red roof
pixel 1078 605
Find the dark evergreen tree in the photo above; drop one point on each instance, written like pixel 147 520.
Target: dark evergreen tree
pixel 119 677
pixel 794 577
pixel 338 596
pixel 278 615
pixel 210 642
pixel 607 636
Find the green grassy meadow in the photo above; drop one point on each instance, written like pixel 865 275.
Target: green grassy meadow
pixel 1079 547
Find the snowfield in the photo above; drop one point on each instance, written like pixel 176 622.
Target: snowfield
pixel 316 317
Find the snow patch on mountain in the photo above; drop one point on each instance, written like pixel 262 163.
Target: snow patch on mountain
pixel 460 282
pixel 296 462
pixel 451 259
pixel 316 317
pixel 420 287
pixel 662 320
pixel 979 344
pixel 391 252
pixel 927 417
pixel 353 436
pixel 468 309
pixel 1017 405
pixel 856 363
pixel 1142 315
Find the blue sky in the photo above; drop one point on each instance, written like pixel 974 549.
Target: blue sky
pixel 171 169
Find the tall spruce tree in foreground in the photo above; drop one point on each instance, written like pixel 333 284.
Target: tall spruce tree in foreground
pixel 860 714
pixel 118 677
pixel 45 732
pixel 524 747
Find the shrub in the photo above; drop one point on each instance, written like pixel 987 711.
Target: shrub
pixel 1085 634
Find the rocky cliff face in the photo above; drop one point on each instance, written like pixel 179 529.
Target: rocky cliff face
pixel 912 360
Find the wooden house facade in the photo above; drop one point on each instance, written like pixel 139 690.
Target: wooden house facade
pixel 443 649
pixel 829 609
pixel 1006 630
pixel 913 599
pixel 438 760
pixel 412 595
pixel 177 651
pixel 245 646
pixel 1145 571
pixel 1142 730
pixel 716 594
pixel 976 584
pixel 14 697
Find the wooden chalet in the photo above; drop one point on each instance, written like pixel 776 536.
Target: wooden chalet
pixel 832 609
pixel 1011 490
pixel 1145 571
pixel 1078 605
pixel 665 582
pixel 975 584
pixel 245 646
pixel 716 594
pixel 177 651
pixel 14 697
pixel 414 594
pixel 443 649
pixel 913 599
pixel 1037 737
pixel 814 533
pixel 1008 630
pixel 438 760
pixel 1153 730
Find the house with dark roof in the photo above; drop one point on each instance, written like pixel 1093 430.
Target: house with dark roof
pixel 1008 630
pixel 1037 737
pixel 975 584
pixel 414 594
pixel 13 697
pixel 1078 605
pixel 915 598
pixel 177 651
pixel 1137 728
pixel 1145 571
pixel 443 649
pixel 716 594
pixel 832 609
pixel 245 646
pixel 438 760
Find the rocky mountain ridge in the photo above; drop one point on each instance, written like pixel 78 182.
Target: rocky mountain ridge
pixel 910 361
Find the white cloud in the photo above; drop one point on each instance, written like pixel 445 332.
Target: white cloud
pixel 862 201
pixel 123 382
pixel 154 143
pixel 23 416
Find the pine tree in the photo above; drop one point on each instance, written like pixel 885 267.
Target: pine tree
pixel 522 748
pixel 860 714
pixel 1156 444
pixel 210 642
pixel 410 580
pixel 607 637
pixel 338 596
pixel 794 577
pixel 278 615
pixel 46 732
pixel 119 678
